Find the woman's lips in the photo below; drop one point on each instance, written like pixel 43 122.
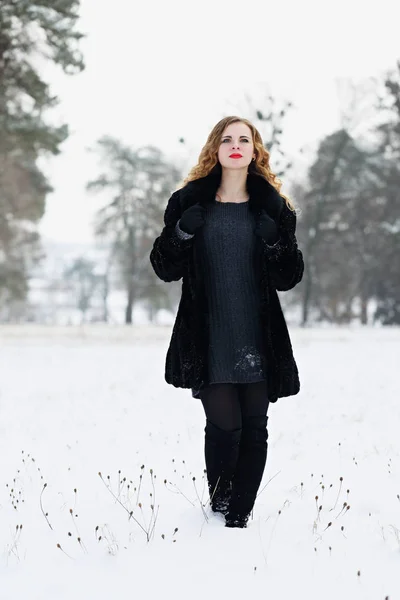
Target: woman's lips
pixel 235 156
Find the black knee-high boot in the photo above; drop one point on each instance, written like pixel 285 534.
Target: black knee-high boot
pixel 221 450
pixel 249 470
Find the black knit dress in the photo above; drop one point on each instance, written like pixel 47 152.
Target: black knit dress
pixel 226 247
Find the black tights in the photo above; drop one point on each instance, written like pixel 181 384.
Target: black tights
pixel 225 404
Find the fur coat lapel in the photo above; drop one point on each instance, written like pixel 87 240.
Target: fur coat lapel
pixel 262 195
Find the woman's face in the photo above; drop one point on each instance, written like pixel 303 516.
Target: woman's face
pixel 236 139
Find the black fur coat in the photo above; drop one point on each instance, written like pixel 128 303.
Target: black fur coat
pixel 280 267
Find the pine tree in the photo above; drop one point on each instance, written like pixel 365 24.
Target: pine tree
pixel 32 32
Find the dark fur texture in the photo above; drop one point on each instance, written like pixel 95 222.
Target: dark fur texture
pixel 280 267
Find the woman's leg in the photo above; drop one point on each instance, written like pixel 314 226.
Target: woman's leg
pixel 222 438
pixel 253 398
pixel 253 452
pixel 221 404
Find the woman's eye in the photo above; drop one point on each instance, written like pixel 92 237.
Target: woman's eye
pixel 243 140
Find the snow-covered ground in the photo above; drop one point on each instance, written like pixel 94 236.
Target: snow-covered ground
pixel 90 432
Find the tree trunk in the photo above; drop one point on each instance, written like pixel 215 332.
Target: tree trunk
pixel 129 306
pixel 130 273
pixel 364 311
pixel 306 297
pixel 105 292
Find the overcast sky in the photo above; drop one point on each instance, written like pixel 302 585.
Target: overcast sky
pixel 159 70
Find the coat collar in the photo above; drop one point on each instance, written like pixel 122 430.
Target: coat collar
pixel 262 195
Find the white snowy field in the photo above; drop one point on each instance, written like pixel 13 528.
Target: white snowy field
pixel 90 432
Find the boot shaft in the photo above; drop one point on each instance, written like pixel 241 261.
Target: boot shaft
pixel 249 470
pixel 221 451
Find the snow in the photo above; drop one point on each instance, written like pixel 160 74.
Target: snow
pixel 76 402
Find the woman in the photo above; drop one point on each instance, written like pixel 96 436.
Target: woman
pixel 230 235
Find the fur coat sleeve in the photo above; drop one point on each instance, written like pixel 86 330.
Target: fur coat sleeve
pixel 170 252
pixel 284 259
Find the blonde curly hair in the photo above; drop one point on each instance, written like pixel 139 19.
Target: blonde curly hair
pixel 208 156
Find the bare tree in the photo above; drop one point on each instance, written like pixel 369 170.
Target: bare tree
pixel 136 184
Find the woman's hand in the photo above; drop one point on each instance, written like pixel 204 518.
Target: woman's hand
pixel 192 218
pixel 266 228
